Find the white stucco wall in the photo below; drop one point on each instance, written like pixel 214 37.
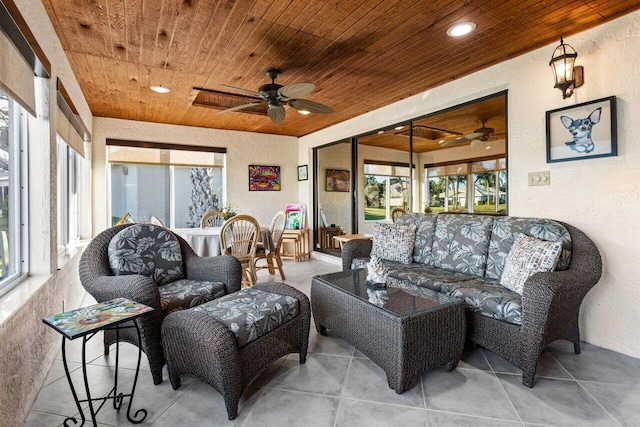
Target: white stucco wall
pixel 243 149
pixel 599 196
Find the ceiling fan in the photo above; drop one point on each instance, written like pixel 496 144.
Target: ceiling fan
pixel 277 96
pixel 478 138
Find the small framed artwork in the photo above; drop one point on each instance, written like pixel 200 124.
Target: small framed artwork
pixel 338 180
pixel 582 131
pixel 264 178
pixel 303 174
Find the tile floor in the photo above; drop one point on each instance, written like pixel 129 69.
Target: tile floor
pixel 339 386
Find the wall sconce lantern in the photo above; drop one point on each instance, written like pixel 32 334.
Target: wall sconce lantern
pixel 567 76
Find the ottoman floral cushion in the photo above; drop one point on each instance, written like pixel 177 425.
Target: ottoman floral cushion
pixel 251 313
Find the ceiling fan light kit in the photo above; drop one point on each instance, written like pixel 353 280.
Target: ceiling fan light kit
pixel 277 96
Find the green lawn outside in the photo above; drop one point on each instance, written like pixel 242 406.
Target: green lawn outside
pixel 375 214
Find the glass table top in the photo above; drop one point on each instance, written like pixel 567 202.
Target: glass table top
pixel 399 301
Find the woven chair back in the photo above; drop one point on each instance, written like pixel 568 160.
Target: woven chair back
pixel 212 219
pixel 239 237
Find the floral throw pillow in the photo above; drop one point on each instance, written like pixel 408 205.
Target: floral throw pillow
pixel 148 250
pixel 528 256
pixel 394 242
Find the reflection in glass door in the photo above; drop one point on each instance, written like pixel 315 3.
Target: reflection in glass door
pixel 334 201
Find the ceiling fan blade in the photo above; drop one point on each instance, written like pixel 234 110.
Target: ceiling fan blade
pixel 311 106
pixel 478 143
pixel 474 135
pixel 276 114
pixel 455 142
pixel 245 91
pixel 238 107
pixel 296 90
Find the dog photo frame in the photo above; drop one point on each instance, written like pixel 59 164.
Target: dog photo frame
pixel 303 173
pixel 582 131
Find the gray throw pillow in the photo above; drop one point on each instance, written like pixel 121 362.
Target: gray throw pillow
pixel 148 250
pixel 394 242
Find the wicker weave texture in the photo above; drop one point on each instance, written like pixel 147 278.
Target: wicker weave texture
pixel 550 306
pixel 404 347
pixel 197 345
pixel 96 277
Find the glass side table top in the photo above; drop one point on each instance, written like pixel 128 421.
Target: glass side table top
pixel 82 321
pixel 400 301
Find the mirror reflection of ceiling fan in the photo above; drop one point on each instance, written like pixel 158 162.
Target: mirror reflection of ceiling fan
pixel 477 139
pixel 276 96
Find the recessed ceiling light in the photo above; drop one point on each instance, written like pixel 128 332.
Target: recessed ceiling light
pixel 380 132
pixel 441 141
pixel 160 89
pixel 305 112
pixel 399 127
pixel 488 147
pixel 461 29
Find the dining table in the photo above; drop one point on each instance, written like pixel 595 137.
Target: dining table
pixel 206 241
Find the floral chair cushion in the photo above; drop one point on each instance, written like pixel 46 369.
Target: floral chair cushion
pixel 148 250
pixel 506 229
pixel 393 242
pixel 487 297
pixel 426 225
pixel 528 256
pixel 426 276
pixel 461 243
pixel 251 313
pixel 185 293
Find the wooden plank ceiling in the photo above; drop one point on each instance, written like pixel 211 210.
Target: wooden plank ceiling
pixel 360 54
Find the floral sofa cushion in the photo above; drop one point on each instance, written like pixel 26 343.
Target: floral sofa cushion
pixel 506 229
pixel 148 250
pixel 425 228
pixel 461 243
pixel 393 242
pixel 251 313
pixel 185 293
pixel 488 297
pixel 426 276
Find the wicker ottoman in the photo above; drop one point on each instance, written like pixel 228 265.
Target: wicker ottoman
pixel 229 341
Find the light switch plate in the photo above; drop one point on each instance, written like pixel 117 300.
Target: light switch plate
pixel 539 178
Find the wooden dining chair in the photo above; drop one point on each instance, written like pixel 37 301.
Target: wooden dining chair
pixel 273 256
pixel 156 221
pixel 212 219
pixel 396 212
pixel 239 237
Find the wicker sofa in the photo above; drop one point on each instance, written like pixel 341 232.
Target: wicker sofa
pixel 464 256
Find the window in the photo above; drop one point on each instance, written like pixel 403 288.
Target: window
pixel 162 183
pixel 452 187
pixel 489 186
pixel 69 172
pixel 12 124
pixel 386 186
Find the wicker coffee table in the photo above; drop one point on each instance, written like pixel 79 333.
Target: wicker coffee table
pixel 403 331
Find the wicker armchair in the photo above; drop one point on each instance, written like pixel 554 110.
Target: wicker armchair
pixel 97 278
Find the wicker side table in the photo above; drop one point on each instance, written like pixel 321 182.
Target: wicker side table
pixel 404 333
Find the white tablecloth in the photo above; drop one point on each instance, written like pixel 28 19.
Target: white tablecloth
pixel 206 241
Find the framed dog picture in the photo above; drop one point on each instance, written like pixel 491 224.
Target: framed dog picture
pixel 582 131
